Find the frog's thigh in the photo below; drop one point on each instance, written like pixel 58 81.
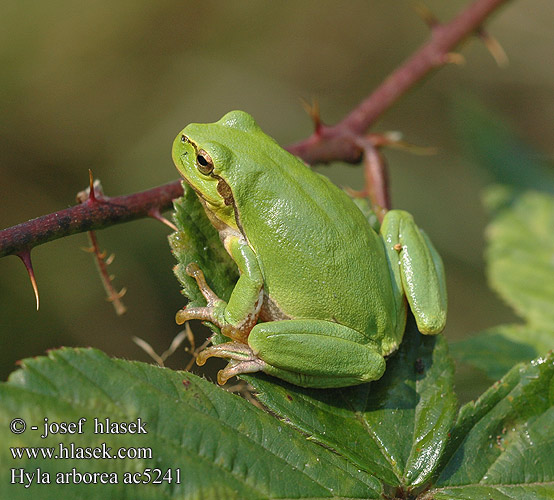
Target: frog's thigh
pixel 417 269
pixel 316 353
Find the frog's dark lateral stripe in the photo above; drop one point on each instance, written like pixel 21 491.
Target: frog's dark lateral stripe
pixel 225 191
pixel 222 188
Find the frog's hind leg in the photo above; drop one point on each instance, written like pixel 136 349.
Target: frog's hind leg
pixel 417 271
pixel 316 353
pixel 307 352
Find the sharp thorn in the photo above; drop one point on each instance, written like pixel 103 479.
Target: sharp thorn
pixel 394 140
pixel 91 194
pixel 426 15
pixel 494 47
pixel 25 257
pixel 313 112
pixel 394 136
pixel 155 214
pixel 455 58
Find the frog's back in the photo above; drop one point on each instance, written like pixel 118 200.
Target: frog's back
pixel 319 256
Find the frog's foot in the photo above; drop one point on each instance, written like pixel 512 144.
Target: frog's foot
pixel 242 360
pixel 212 312
pixel 195 272
pixel 201 313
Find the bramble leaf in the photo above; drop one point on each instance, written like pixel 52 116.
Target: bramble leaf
pixel 520 255
pixel 223 446
pixel 395 427
pixel 501 445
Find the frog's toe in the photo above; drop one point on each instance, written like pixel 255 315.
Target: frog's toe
pixel 194 271
pixel 235 368
pixel 242 359
pixel 201 313
pixel 231 350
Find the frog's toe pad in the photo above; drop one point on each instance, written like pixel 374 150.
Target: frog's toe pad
pixel 242 359
pixel 239 367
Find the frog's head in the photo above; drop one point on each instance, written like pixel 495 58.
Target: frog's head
pixel 206 155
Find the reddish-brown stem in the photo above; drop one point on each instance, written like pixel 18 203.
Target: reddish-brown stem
pixel 327 143
pixel 87 216
pixel 445 37
pixel 337 142
pixel 375 173
pixel 102 263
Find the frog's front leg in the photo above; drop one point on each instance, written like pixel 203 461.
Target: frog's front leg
pixel 237 317
pixel 305 352
pixel 215 308
pixel 416 269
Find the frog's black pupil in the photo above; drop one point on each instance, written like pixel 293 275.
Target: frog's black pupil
pixel 183 138
pixel 202 161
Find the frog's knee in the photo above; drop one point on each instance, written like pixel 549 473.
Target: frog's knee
pixel 419 273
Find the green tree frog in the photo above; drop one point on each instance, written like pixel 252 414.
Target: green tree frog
pixel 321 296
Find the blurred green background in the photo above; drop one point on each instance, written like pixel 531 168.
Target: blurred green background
pixel 107 85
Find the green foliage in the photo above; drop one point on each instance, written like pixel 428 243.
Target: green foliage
pixel 225 447
pixel 520 246
pixel 389 436
pixel 520 264
pixel 395 427
pixel 197 241
pixel 501 445
pixel 497 349
pixel 399 437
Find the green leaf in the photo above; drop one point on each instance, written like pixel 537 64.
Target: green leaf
pixel 223 446
pixel 520 257
pixel 520 250
pixel 495 492
pixel 498 349
pixel 394 428
pixel 501 445
pixel 198 241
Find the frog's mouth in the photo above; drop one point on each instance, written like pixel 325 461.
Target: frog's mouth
pixel 217 203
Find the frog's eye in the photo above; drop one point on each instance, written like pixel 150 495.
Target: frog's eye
pixel 204 162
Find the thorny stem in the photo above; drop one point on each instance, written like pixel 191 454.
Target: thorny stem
pixel 338 142
pixel 87 217
pixel 328 143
